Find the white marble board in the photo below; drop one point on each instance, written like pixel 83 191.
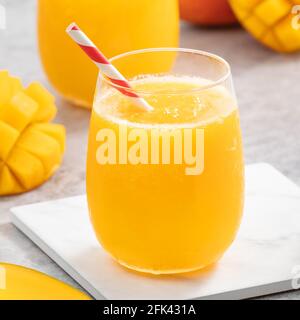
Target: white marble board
pixel 261 260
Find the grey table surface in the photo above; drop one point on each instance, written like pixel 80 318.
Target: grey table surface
pixel 267 88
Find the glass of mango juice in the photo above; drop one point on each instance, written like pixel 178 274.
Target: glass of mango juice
pixel 165 186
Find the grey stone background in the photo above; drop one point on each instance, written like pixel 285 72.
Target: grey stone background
pixel 267 86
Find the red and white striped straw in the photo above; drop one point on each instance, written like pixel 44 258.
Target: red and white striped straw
pixel 104 65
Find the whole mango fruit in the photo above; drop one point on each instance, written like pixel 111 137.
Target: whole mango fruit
pixel 207 12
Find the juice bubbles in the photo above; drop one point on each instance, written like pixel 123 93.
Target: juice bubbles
pixel 115 26
pixel 162 217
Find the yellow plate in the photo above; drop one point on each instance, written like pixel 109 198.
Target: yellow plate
pixel 19 283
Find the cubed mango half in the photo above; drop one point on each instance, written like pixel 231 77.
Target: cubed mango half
pixel 275 23
pixel 31 148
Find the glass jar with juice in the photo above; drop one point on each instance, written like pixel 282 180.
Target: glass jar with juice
pixel 116 26
pixel 166 187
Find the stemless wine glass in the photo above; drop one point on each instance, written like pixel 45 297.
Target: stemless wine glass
pixel 166 187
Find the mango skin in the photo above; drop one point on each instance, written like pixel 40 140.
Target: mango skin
pixel 207 12
pixel 31 148
pixel 272 22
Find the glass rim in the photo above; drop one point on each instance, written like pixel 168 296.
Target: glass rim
pixel 213 83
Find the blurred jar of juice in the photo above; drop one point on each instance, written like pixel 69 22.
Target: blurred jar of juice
pixel 115 26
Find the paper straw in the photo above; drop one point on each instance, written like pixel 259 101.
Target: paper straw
pixel 105 66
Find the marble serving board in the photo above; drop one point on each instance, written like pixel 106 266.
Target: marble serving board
pixel 260 261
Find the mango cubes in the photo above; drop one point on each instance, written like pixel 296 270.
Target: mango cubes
pixel 31 148
pixel 275 23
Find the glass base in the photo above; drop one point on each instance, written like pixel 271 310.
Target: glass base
pixel 163 272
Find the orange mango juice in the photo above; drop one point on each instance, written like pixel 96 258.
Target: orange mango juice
pixel 115 26
pixel 156 218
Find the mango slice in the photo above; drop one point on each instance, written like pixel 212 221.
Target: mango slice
pixel 56 131
pixel 8 182
pixel 19 112
pixel 270 22
pixel 9 137
pixel 47 109
pixel 31 148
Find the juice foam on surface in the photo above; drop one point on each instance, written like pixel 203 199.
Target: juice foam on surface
pixel 175 100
